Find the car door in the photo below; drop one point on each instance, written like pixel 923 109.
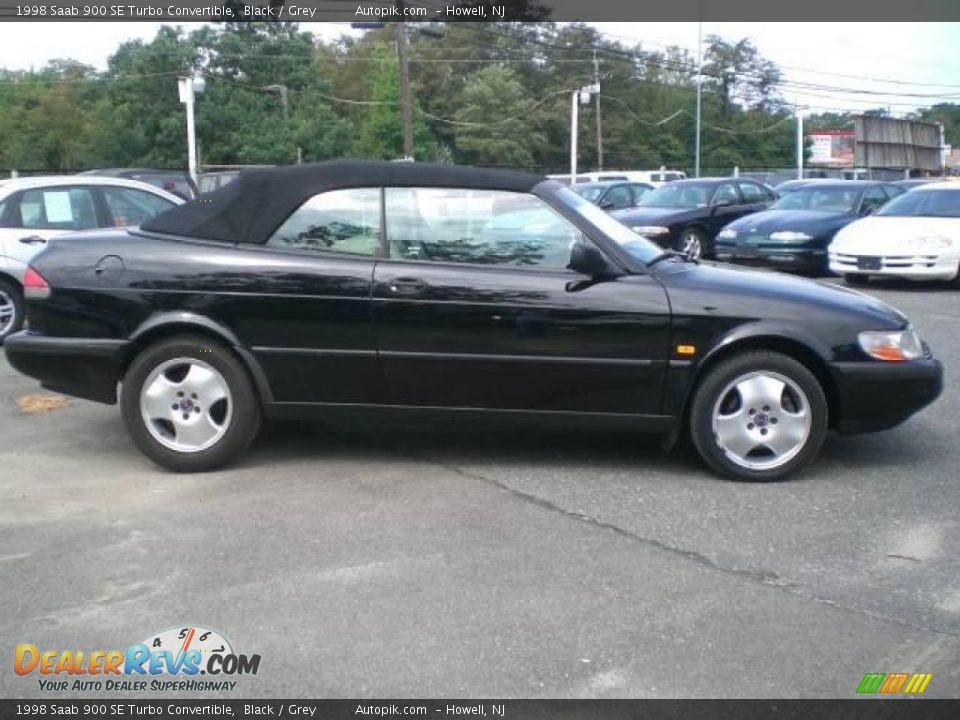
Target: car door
pixel 127 206
pixel 34 215
pixel 873 199
pixel 475 308
pixel 301 301
pixel 726 205
pixel 638 190
pixel 617 197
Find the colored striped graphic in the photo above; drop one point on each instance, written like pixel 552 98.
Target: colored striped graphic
pixel 893 683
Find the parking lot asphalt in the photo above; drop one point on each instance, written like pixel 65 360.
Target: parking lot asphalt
pixel 377 561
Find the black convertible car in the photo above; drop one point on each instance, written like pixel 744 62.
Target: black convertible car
pixel 686 215
pixel 797 229
pixel 448 293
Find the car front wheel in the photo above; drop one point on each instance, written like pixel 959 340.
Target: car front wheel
pixel 11 309
pixel 758 416
pixel 693 243
pixel 189 405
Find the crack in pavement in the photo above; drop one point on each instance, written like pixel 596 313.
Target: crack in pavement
pixel 766 578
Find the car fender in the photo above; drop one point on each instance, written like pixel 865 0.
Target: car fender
pixel 685 375
pixel 161 323
pixel 12 268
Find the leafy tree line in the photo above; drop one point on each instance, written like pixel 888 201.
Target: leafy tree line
pixel 482 94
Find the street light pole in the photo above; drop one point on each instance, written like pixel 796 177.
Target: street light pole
pixel 799 112
pixel 574 117
pixel 582 95
pixel 696 162
pixel 188 87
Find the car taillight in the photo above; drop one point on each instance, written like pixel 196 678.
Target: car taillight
pixel 35 287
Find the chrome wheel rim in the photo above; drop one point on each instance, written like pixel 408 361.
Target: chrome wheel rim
pixel 8 312
pixel 690 245
pixel 762 420
pixel 186 405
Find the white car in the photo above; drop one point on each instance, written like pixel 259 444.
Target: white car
pixel 915 236
pixel 34 210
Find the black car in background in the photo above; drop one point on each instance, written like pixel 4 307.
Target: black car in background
pixel 177 182
pixel 686 215
pixel 612 195
pixel 795 232
pixel 417 291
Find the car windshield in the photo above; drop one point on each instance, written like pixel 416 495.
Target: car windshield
pixel 679 194
pixel 590 192
pixel 924 203
pixel 830 199
pixel 641 248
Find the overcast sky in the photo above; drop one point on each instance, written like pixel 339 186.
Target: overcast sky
pixel 850 56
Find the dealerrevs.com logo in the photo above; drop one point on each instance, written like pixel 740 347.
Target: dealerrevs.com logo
pixel 168 660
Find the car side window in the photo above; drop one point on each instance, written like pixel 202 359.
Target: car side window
pixel 752 194
pixel 638 192
pixel 726 193
pixel 131 207
pixel 57 208
pixel 478 227
pixel 893 190
pixel 873 199
pixel 339 221
pixel 619 196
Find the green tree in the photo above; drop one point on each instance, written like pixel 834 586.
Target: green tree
pixel 493 126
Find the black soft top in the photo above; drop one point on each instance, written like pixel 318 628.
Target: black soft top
pixel 251 207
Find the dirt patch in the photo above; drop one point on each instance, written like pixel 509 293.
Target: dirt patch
pixel 41 403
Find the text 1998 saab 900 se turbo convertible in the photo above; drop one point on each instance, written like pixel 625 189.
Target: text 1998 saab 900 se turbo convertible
pixel 447 292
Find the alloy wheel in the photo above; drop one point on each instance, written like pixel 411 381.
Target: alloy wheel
pixel 8 312
pixel 762 420
pixel 186 405
pixel 690 245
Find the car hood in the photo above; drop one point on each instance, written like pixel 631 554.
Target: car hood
pixel 882 233
pixel 772 297
pixel 812 222
pixel 654 215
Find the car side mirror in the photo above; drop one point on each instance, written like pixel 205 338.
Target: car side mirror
pixel 587 259
pixel 606 204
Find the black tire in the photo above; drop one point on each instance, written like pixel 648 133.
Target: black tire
pixel 855 280
pixel 11 292
pixel 715 382
pixel 245 412
pixel 705 245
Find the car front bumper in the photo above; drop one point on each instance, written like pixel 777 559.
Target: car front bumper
pixel 786 257
pixel 911 267
pixel 876 395
pixel 83 368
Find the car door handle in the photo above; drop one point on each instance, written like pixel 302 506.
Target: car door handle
pixel 32 240
pixel 406 286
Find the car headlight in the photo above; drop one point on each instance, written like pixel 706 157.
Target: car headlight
pixel 895 346
pixel 927 243
pixel 727 234
pixel 790 235
pixel 650 229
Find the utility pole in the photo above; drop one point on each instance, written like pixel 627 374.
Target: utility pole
pixel 696 162
pixel 406 110
pixel 596 81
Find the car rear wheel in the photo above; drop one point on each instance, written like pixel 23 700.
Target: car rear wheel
pixel 758 416
pixel 693 243
pixel 189 405
pixel 11 309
